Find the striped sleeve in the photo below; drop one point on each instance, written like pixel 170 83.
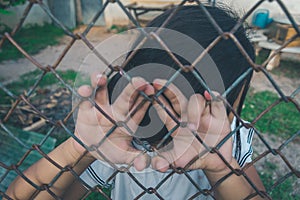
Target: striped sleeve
pixel 242 146
pixel 97 174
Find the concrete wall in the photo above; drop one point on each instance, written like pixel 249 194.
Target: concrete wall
pixel 89 10
pixel 114 15
pixel 64 11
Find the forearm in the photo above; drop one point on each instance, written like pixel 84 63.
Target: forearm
pixel 43 172
pixel 233 187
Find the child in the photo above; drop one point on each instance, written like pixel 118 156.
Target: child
pixel 205 117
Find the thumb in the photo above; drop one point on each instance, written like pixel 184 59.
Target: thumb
pixel 160 164
pixel 140 159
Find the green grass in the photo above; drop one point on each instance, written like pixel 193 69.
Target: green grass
pixel 288 68
pixel 12 152
pixel 98 196
pixel 282 120
pixel 263 55
pixel 48 82
pixel 283 190
pixel 32 39
pixel 27 80
pixel 118 28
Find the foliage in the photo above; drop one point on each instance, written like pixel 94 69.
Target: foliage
pixel 32 39
pixel 282 120
pixel 284 190
pixel 118 28
pixel 8 3
pixel 98 196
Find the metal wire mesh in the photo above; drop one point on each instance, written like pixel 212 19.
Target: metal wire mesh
pixel 62 124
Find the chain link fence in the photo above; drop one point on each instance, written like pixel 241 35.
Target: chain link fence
pixel 42 145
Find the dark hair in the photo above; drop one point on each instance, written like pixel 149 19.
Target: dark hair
pixel 192 21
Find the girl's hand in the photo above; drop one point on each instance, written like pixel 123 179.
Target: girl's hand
pixel 206 118
pixel 92 126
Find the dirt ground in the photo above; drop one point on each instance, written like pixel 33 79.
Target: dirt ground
pixel 11 70
pixel 287 85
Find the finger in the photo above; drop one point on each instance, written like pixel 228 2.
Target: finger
pixel 126 99
pixel 162 113
pixel 196 107
pixel 160 164
pixel 199 163
pixel 139 108
pixel 208 100
pixel 139 159
pixel 85 91
pixel 217 108
pixel 137 113
pixel 174 95
pixel 95 79
pixel 207 96
pixel 140 104
pixel 99 82
pixel 180 153
pixel 178 156
pixel 142 162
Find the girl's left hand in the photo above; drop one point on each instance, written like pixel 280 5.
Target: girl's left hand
pixel 205 118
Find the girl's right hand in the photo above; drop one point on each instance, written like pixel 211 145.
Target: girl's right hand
pixel 92 126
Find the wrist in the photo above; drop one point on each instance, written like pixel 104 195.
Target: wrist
pixel 72 155
pixel 217 174
pixel 224 180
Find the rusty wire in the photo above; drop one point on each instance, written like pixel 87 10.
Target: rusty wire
pixel 17 99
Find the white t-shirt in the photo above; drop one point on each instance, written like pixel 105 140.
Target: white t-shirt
pixel 175 186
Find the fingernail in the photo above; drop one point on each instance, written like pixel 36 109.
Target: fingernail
pixel 207 96
pixel 160 81
pixel 99 76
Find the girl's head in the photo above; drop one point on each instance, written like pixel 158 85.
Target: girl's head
pixel 193 22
